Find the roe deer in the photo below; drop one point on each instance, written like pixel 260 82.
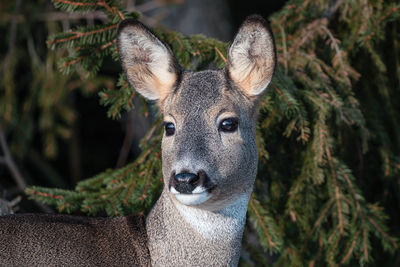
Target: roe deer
pixel 209 164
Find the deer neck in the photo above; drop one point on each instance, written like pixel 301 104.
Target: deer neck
pixel 180 235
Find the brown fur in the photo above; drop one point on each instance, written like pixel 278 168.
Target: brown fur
pixel 63 240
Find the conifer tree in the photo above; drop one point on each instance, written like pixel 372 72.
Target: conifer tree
pixel 328 131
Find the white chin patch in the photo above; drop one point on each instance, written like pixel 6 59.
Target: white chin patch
pixel 198 196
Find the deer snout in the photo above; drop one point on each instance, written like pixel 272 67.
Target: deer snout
pixel 191 188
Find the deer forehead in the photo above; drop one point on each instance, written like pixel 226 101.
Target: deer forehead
pixel 201 94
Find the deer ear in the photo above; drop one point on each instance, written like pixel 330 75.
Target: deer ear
pixel 252 56
pixel 149 64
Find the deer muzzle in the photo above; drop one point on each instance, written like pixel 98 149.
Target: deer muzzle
pixel 191 188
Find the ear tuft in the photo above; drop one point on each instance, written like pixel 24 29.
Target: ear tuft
pixel 252 56
pixel 148 63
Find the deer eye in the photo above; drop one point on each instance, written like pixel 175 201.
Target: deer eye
pixel 228 125
pixel 169 128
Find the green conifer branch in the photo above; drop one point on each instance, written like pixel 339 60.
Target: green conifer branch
pixel 265 225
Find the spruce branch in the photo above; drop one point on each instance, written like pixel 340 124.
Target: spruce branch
pixel 351 248
pixel 386 16
pixel 355 197
pixel 220 54
pixel 85 5
pixel 338 52
pixel 270 243
pixel 337 190
pixel 383 233
pixel 77 35
pixel 265 226
pixel 365 245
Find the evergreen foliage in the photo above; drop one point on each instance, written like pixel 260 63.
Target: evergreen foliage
pixel 43 92
pixel 328 130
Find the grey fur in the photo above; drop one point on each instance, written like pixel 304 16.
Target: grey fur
pixel 200 229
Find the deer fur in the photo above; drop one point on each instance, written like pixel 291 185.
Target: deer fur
pixel 64 240
pixel 208 168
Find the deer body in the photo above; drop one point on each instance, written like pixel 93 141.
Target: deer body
pixel 209 153
pixel 64 240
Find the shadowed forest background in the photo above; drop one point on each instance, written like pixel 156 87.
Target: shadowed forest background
pixel 327 191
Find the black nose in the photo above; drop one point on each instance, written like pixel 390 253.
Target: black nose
pixel 185 182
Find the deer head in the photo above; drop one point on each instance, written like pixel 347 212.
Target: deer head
pixel 209 153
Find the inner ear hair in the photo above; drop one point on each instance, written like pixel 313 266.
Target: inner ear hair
pixel 149 64
pixel 252 56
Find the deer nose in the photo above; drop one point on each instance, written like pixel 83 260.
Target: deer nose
pixel 185 182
